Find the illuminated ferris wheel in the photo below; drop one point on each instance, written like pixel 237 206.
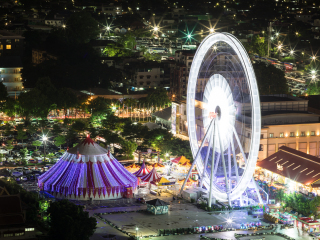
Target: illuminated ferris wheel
pixel 223 113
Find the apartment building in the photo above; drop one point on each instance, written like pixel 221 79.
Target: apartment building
pixel 10 75
pixel 11 44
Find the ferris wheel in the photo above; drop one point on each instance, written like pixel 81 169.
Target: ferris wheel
pixel 223 115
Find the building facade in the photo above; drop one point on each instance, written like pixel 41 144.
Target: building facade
pixel 10 75
pixel 11 44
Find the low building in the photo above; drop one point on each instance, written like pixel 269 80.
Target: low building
pixel 295 170
pixel 13 219
pixel 10 75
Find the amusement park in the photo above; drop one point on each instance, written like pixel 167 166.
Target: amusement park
pixel 221 192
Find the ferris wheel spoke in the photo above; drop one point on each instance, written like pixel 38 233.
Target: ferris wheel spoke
pixel 229 167
pixel 234 159
pixel 206 158
pixel 239 144
pixel 223 164
pixel 197 155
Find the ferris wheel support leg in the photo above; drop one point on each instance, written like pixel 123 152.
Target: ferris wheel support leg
pixel 257 190
pixel 212 164
pixel 206 162
pixel 224 166
pixel 196 158
pixel 236 167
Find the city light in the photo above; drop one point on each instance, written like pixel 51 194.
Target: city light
pixel 189 35
pixel 313 71
pixel 313 57
pixel 279 47
pixel 211 30
pixel 108 28
pixel 229 220
pixel 155 28
pixel 64 26
pixel 291 52
pixel 44 138
pixel 277 34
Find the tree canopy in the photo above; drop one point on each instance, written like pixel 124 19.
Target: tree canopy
pixel 270 79
pixel 69 222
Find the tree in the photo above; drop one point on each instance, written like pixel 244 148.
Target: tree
pixel 9 145
pixel 157 98
pixel 280 195
pixel 81 27
pixel 10 107
pixel 56 129
pixel 32 129
pixel 59 140
pixel 23 153
pixel 79 126
pixel 67 99
pixel 313 88
pixel 36 143
pixel 65 219
pixel 128 147
pixel 99 107
pixel 270 79
pixel 21 133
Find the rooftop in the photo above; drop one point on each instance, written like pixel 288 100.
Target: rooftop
pixel 294 164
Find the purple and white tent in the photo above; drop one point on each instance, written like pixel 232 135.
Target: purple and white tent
pixel 87 171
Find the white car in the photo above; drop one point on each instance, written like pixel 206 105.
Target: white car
pixel 24 178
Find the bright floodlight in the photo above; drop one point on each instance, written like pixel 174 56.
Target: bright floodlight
pixel 279 46
pixel 313 57
pixel 108 28
pixel 63 26
pixel 277 34
pixel 313 76
pixel 156 28
pixel 223 106
pixel 271 38
pixel 44 138
pixel 137 229
pixel 229 220
pixel 189 36
pixel 211 30
pixel 313 71
pixel 291 52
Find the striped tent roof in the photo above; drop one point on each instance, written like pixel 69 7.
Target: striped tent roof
pixel 153 176
pixel 142 171
pixel 87 171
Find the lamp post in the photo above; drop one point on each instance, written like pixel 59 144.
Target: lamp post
pixel 137 232
pixel 44 140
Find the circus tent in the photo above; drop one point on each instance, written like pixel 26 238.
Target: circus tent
pixel 87 171
pixel 153 176
pixel 142 171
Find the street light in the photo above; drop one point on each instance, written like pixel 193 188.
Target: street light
pixel 108 28
pixel 155 28
pixel 137 232
pixel 291 52
pixel 189 36
pixel 211 30
pixel 313 71
pixel 44 139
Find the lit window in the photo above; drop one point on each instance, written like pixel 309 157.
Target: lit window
pixel 271 135
pixel 303 134
pixel 313 133
pixel 291 134
pixel 281 135
pixel 17 40
pixel 8 46
pixel 29 229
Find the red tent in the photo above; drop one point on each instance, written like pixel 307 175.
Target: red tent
pixel 176 160
pixel 142 171
pixel 153 176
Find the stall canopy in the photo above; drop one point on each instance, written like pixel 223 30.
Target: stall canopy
pixel 153 176
pixel 133 166
pixel 158 165
pixel 180 160
pixel 143 171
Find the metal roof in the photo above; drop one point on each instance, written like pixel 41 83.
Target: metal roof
pixel 293 164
